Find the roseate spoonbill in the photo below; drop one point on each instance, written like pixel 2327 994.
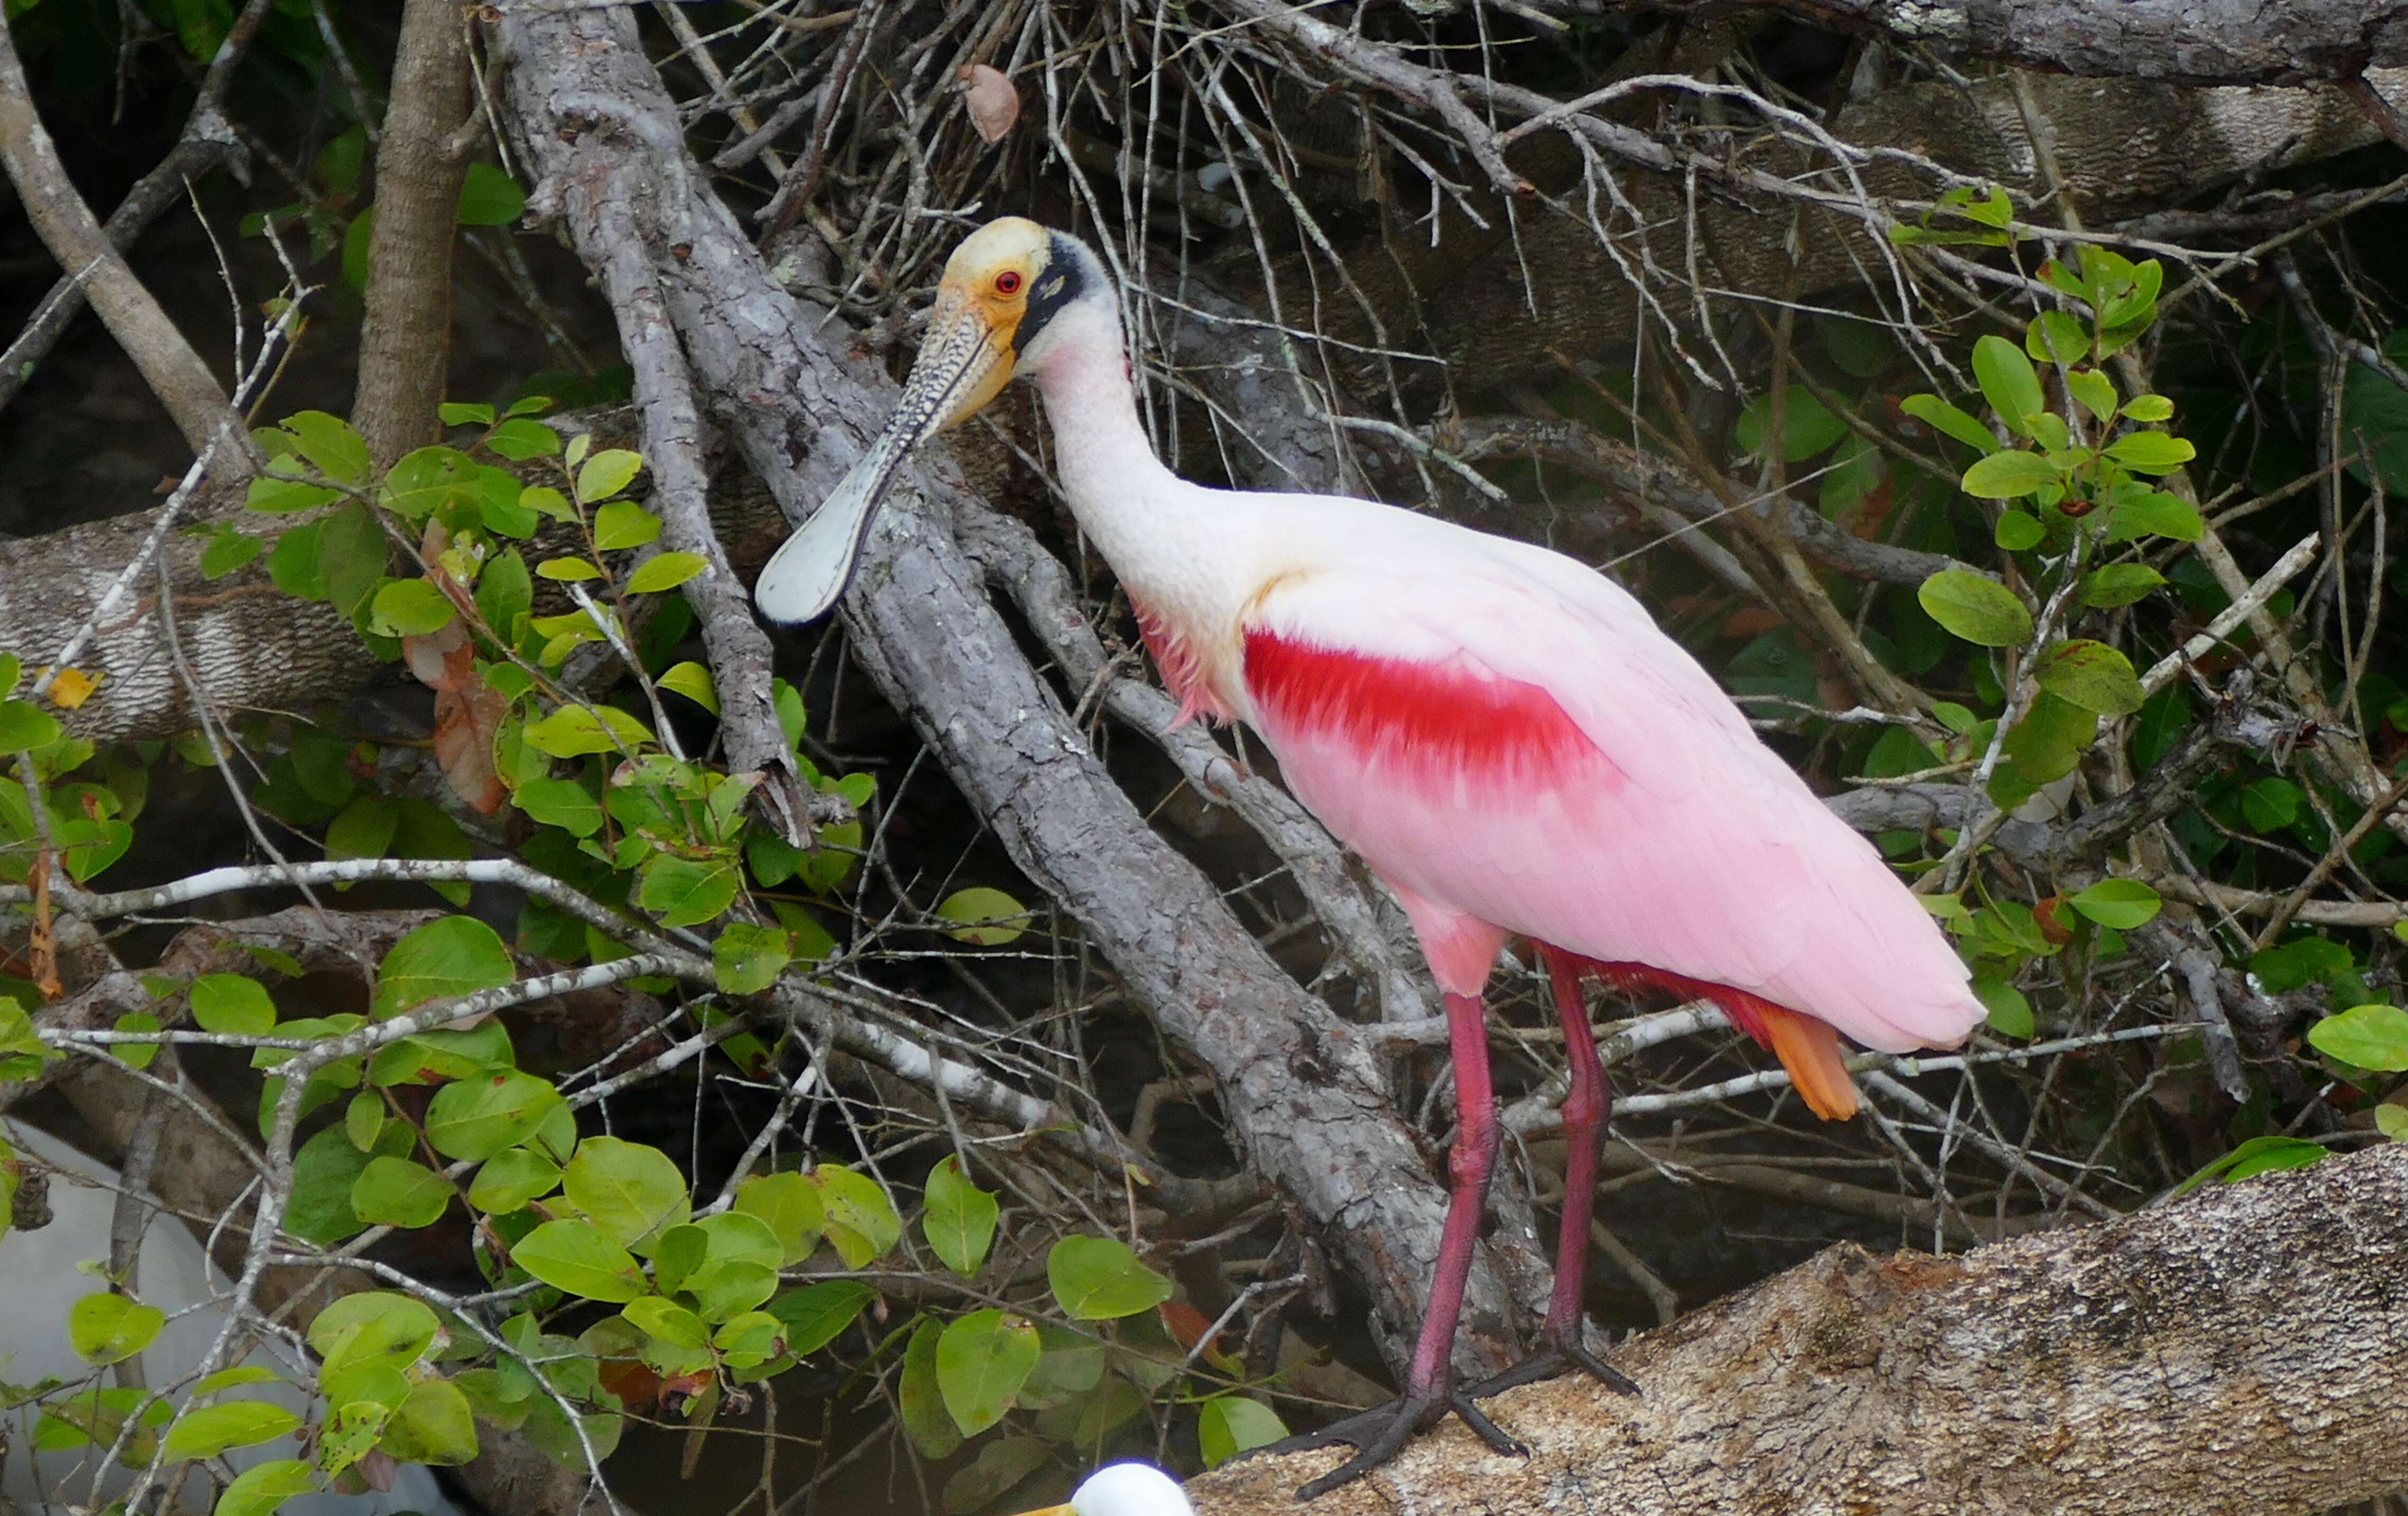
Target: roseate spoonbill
pixel 1124 1490
pixel 1502 732
pixel 173 1274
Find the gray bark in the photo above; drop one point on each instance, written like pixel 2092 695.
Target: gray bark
pixel 2239 1350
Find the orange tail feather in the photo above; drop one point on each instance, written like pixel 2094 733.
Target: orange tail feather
pixel 1810 1050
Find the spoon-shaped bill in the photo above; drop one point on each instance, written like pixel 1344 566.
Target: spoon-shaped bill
pixel 807 575
pixel 963 362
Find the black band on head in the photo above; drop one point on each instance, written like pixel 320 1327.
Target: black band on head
pixel 1063 279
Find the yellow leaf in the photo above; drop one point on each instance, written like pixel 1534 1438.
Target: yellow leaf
pixel 72 688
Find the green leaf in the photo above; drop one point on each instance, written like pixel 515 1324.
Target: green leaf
pixel 623 524
pixel 520 439
pixel 490 197
pixel 562 803
pixel 576 1256
pixel 667 1321
pixel 464 413
pixel 2154 513
pixel 2008 382
pixel 2150 407
pixel 260 1489
pixel 1808 426
pixel 740 1268
pixel 694 681
pixel 607 473
pixel 104 1328
pixel 566 570
pixel 2259 1156
pixel 410 608
pixel 2151 453
pixel 397 1192
pixel 666 571
pixel 2364 1037
pixel 2117 904
pixel 2018 530
pixel 789 1205
pixel 2096 391
pixel 989 918
pixel 273 497
pixel 511 1179
pixel 2011 1014
pixel 228 550
pixel 25 725
pixel 2091 675
pixel 330 444
pixel 687 891
pixel 452 955
pixel 2008 475
pixel 983 1359
pixel 2391 1120
pixel 373 1328
pixel 475 1119
pixel 958 1218
pixel 1233 1423
pixel 1001 1464
pixel 2271 804
pixel 815 1314
pixel 920 1398
pixel 233 1003
pixel 1941 417
pixel 2059 337
pixel 860 1220
pixel 206 1431
pixel 574 731
pixel 1099 1279
pixel 365 828
pixel 2301 962
pixel 2119 584
pixel 323 1170
pixel 748 958
pixel 1980 610
pixel 433 1424
pixel 631 1191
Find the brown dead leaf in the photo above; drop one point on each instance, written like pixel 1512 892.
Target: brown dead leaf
pixel 994 104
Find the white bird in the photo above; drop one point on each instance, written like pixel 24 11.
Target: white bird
pixel 173 1274
pixel 1503 733
pixel 1124 1490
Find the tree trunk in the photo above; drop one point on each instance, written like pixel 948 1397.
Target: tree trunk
pixel 2244 1350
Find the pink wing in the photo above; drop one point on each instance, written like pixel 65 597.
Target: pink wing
pixel 1511 741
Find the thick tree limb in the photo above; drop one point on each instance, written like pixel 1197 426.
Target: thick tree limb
pixel 208 140
pixel 2176 41
pixel 177 375
pixel 592 119
pixel 2237 1351
pixel 405 338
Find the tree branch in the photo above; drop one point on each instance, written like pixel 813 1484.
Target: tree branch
pixel 2238 1350
pixel 405 338
pixel 177 375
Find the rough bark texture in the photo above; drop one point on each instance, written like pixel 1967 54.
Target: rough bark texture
pixel 2237 1350
pixel 2181 41
pixel 405 341
pixel 591 121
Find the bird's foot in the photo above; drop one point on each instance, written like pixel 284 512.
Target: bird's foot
pixel 1378 1435
pixel 1560 1355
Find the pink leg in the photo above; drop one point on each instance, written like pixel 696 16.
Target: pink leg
pixel 1377 1434
pixel 1585 1112
pixel 1467 1165
pixel 1585 1107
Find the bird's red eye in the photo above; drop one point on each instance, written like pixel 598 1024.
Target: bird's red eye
pixel 1007 282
